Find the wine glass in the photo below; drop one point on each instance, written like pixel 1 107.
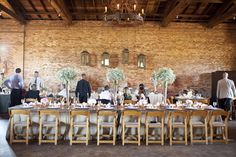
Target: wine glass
pixel 214 104
pixel 22 101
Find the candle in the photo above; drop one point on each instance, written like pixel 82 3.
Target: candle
pixel 118 6
pixel 105 9
pixel 134 7
pixel 139 14
pixel 142 11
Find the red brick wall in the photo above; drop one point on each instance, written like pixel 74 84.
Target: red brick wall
pixel 191 50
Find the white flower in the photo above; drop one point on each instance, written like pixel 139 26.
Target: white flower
pixel 66 75
pixel 115 76
pixel 164 75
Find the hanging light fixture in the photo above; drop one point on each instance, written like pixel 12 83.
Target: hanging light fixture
pixel 124 12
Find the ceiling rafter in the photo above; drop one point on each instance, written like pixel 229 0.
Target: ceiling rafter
pixel 62 10
pixel 174 7
pixel 12 14
pixel 225 12
pixel 45 9
pixel 18 9
pixel 35 9
pixel 150 6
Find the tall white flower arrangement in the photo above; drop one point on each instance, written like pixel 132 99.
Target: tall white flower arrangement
pixel 66 76
pixel 165 76
pixel 115 76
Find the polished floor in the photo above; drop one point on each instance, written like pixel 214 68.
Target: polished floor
pixel 63 149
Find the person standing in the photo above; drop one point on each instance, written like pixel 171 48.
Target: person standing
pixel 225 92
pixel 37 81
pixel 83 89
pixel 2 78
pixel 16 84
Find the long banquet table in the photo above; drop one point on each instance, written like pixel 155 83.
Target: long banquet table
pixel 65 118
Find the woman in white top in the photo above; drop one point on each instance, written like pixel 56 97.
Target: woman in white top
pixel 105 96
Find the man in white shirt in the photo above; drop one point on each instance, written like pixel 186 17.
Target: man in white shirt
pixel 225 92
pixel 105 96
pixel 37 81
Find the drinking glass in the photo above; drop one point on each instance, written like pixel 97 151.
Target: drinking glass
pixel 215 104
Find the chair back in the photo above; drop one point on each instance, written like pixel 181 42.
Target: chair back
pixel 200 113
pixel 19 112
pixel 183 114
pixel 80 113
pixel 107 113
pixel 55 113
pixel 132 113
pixel 219 113
pixel 159 114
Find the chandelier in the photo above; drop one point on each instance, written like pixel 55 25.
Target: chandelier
pixel 123 12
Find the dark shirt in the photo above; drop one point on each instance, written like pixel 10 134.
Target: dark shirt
pixel 83 88
pixel 127 96
pixel 32 94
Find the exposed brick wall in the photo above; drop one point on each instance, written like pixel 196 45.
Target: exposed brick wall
pixel 191 50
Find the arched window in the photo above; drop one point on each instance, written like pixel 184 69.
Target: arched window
pixel 105 59
pixel 141 61
pixel 125 56
pixel 85 58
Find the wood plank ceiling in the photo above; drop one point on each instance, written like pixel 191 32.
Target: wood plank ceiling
pixel 208 12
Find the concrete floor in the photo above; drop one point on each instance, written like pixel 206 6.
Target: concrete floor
pixel 63 149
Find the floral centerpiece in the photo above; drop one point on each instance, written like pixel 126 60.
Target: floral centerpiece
pixel 66 76
pixel 165 76
pixel 115 76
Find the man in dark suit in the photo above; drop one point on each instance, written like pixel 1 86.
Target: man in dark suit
pixel 32 95
pixel 83 89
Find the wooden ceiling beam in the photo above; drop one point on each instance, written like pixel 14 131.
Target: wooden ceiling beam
pixel 150 6
pixel 174 7
pixel 12 14
pixel 18 9
pixel 201 8
pixel 62 10
pixel 225 12
pixel 34 8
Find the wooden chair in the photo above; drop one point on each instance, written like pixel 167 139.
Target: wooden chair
pixel 84 124
pixel 181 124
pixel 204 101
pixel 158 115
pixel 28 100
pixel 233 109
pixel 217 122
pixel 202 123
pixel 129 102
pixel 102 124
pixel 48 124
pixel 22 124
pixel 134 124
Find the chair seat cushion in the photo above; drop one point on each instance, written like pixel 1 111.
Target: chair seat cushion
pixel 218 124
pixel 80 123
pixel 49 123
pixel 198 123
pixel 108 124
pixel 20 123
pixel 157 124
pixel 131 124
